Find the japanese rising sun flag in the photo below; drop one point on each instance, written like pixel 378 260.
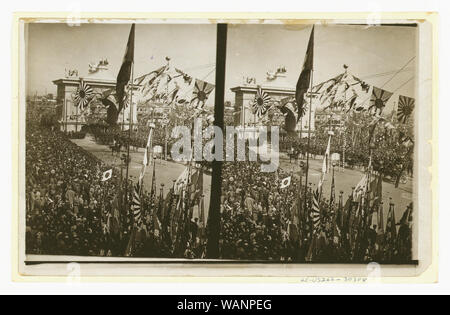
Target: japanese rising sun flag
pixel 136 204
pixel 379 99
pixel 83 96
pixel 405 108
pixel 201 92
pixel 315 210
pixel 260 104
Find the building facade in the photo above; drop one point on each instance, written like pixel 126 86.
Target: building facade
pixel 277 87
pixel 100 79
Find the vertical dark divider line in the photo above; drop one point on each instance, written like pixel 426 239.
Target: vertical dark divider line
pixel 213 227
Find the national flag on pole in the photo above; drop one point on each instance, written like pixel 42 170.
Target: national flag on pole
pixel 405 108
pixel 391 230
pixel 107 175
pixel 360 188
pixel 202 211
pixel 181 181
pixel 125 70
pixel 379 99
pixel 136 204
pixel 304 79
pixel 286 182
pixel 197 183
pixel 147 81
pixel 326 157
pixel 406 218
pixel 153 188
pixel 315 211
pixel 131 243
pixel 380 222
pixel 332 193
pixel 201 92
pixel 146 159
pixel 404 237
pixel 376 191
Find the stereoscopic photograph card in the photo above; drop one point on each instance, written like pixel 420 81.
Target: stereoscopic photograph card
pixel 166 146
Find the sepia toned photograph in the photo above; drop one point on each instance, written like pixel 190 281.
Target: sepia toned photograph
pixel 231 143
pixel 342 98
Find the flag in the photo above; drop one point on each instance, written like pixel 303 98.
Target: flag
pixel 286 182
pixel 287 108
pixel 377 191
pixel 407 215
pixel 107 175
pixel 391 230
pixel 146 161
pixel 83 95
pixel 351 102
pixel 304 79
pixel 201 92
pixel 197 182
pixel 332 192
pixel 347 215
pixel 153 188
pixel 405 108
pixel 202 212
pixel 125 70
pixel 181 181
pixel 404 238
pixel 158 216
pixel 108 100
pixel 380 223
pixel 326 157
pixel 315 210
pixel 260 104
pixel 361 187
pixel 136 204
pixel 150 83
pixel 380 226
pixel 337 234
pixel 167 210
pixel 328 88
pixel 131 243
pixel 156 224
pixel 378 99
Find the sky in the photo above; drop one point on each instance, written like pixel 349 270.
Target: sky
pixel 255 49
pixel 53 47
pixel 252 50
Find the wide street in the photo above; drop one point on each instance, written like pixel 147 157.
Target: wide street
pixel 167 171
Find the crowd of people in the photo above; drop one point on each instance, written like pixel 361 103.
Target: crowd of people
pixel 66 201
pixel 71 211
pixel 263 221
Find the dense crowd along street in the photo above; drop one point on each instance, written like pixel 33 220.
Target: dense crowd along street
pixel 70 211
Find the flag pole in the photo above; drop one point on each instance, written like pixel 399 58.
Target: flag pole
pixel 130 126
pixel 309 133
